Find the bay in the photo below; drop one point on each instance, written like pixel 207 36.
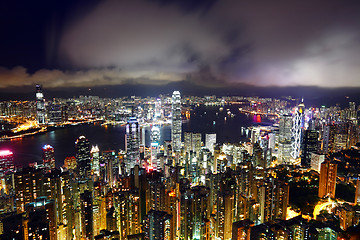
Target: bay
pixel 202 120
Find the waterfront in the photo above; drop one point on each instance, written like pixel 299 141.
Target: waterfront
pixel 203 120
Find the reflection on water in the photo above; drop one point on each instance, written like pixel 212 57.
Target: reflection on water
pixel 202 119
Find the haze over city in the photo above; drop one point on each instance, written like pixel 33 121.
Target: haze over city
pixel 66 44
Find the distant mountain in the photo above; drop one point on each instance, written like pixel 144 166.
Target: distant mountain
pixel 316 96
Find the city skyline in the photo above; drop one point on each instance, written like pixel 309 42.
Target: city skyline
pixel 178 167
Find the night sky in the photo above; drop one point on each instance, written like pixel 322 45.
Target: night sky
pixel 90 43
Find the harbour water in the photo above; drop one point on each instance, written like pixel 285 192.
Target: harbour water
pixel 203 119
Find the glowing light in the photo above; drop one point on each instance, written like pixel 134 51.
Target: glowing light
pixel 172 194
pixel 46 147
pixel 5 153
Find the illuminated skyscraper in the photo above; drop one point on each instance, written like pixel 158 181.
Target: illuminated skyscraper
pixel 6 162
pixel 327 181
pixel 48 158
pixel 54 113
pixel 95 156
pixel 41 219
pixel 157 225
pixel 86 215
pixel 132 143
pixel 176 121
pixel 83 157
pixel 357 192
pixel 155 139
pixel 296 130
pixel 274 200
pixel 29 185
pixel 40 105
pixel 308 146
pixel 285 136
pixel 210 141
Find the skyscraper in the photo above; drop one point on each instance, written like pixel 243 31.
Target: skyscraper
pixel 308 146
pixel 296 130
pixel 176 121
pixel 210 141
pixel 95 156
pixel 285 136
pixel 357 192
pixel 48 157
pixel 41 219
pixel 40 105
pixel 86 215
pixel 6 162
pixel 83 157
pixel 157 225
pixel 327 181
pixel 155 139
pixel 132 143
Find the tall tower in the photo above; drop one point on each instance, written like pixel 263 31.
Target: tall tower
pixel 285 138
pixel 297 126
pixel 210 141
pixel 327 181
pixel 83 157
pixel 6 162
pixel 95 163
pixel 308 146
pixel 48 158
pixel 40 105
pixel 155 139
pixel 132 143
pixel 157 225
pixel 176 121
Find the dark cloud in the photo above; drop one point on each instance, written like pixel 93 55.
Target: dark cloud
pixel 208 42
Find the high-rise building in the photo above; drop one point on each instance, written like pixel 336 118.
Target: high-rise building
pixel 40 105
pixel 316 160
pixel 132 143
pixel 6 162
pixel 48 157
pixel 157 225
pixel 297 131
pixel 352 111
pixel 29 185
pixel 192 142
pixel 86 215
pixel 194 212
pixel 327 181
pixel 95 160
pixel 176 121
pixel 328 136
pixel 11 226
pixel 70 163
pixel 83 158
pixel 54 113
pixel 285 139
pixel 309 145
pixel 357 192
pixel 241 230
pixel 210 141
pixel 41 219
pixel 274 200
pixel 155 139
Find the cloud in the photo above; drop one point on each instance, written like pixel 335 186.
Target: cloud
pixel 262 43
pixel 19 76
pixel 145 36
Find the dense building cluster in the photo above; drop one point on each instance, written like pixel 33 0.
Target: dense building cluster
pixel 192 186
